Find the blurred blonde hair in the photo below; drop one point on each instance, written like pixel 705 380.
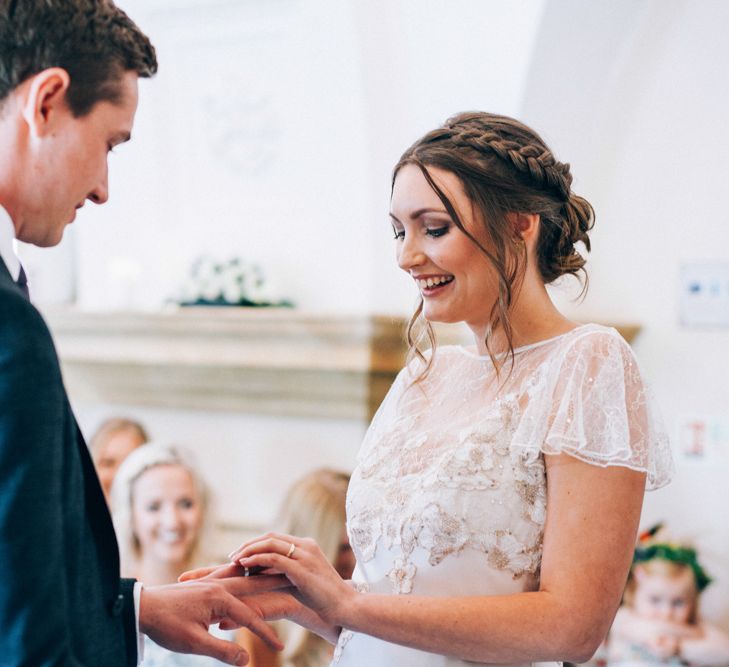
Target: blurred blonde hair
pixel 141 460
pixel 313 507
pixel 112 426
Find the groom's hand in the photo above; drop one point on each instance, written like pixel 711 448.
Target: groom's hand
pixel 216 572
pixel 178 616
pixel 280 603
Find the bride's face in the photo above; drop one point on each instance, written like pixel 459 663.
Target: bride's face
pixel 456 281
pixel 166 514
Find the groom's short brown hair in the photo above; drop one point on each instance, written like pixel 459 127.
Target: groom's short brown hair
pixel 93 40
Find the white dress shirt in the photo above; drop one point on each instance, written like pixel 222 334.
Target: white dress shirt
pixel 7 251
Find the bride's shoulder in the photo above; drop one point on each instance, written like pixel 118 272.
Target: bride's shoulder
pixel 592 340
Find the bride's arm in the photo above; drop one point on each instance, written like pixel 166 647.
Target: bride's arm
pixel 592 521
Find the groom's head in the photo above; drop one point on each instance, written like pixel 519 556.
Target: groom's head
pixel 68 95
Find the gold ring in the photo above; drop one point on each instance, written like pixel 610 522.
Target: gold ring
pixel 292 548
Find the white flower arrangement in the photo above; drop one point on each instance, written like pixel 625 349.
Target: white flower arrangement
pixel 232 283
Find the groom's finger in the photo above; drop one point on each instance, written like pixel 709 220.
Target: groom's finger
pixel 227 570
pixel 214 572
pixel 198 573
pixel 220 649
pixel 243 586
pixel 244 616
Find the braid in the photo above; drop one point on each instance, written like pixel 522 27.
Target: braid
pixel 532 160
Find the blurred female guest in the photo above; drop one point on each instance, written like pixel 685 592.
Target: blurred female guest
pixel 496 502
pixel 159 505
pixel 313 507
pixel 113 441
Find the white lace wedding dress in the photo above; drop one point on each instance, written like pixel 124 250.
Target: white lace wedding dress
pixel 449 495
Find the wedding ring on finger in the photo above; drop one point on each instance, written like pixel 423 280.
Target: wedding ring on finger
pixel 290 553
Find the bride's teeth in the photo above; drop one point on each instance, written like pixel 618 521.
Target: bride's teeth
pixel 425 283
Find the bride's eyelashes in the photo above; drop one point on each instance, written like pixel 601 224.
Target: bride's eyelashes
pixel 435 232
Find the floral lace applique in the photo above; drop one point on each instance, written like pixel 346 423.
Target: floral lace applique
pixel 402 575
pixel 364 531
pixel 479 478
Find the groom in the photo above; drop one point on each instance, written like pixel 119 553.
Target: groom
pixel 68 95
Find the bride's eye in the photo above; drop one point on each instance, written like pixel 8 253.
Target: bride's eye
pixel 398 233
pixel 437 232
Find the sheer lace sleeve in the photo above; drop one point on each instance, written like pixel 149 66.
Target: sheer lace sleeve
pixel 593 404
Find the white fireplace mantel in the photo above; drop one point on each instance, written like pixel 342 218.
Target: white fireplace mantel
pixel 252 360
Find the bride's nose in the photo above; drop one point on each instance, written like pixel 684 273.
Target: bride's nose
pixel 410 253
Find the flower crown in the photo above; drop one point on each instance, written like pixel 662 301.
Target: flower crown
pixel 650 549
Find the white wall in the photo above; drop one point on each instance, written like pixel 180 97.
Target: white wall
pixel 634 95
pixel 270 132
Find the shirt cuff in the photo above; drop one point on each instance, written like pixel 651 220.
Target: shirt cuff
pixel 140 637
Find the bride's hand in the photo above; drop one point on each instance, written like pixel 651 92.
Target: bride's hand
pixel 318 584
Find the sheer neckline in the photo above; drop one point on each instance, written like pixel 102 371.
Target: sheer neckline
pixel 469 351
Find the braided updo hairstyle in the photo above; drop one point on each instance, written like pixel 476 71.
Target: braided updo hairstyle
pixel 504 167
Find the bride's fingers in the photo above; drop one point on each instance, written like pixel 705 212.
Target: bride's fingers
pixel 287 539
pixel 271 561
pixel 280 544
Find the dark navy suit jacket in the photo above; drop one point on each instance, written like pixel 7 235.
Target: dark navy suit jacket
pixel 62 601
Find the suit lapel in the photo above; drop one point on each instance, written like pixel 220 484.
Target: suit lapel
pixel 5 272
pixel 5 277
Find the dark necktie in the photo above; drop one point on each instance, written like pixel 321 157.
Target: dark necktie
pixel 22 283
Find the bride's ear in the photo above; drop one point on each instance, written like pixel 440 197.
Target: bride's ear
pixel 525 226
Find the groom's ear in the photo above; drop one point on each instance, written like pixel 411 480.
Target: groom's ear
pixel 44 104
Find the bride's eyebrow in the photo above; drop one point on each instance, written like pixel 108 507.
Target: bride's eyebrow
pixel 421 211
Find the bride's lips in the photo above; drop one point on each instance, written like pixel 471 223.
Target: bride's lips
pixel 433 284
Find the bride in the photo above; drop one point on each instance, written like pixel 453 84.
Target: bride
pixel 496 500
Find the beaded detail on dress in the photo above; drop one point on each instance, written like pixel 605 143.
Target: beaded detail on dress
pixel 456 462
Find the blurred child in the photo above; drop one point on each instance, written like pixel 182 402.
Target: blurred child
pixel 113 441
pixel 658 623
pixel 314 507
